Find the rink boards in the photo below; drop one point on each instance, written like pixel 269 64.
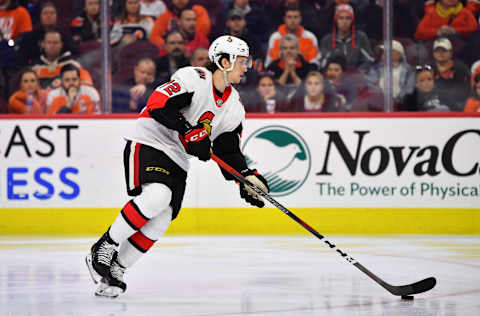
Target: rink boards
pixel 348 174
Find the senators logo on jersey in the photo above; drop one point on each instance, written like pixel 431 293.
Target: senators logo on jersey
pixel 206 120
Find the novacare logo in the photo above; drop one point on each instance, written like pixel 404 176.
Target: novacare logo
pixel 426 160
pixel 281 155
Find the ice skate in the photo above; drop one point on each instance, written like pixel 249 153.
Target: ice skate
pixel 113 286
pixel 96 278
pixel 99 261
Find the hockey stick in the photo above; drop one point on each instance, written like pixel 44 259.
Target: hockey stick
pixel 402 290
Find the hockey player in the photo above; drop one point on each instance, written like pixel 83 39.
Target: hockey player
pixel 195 112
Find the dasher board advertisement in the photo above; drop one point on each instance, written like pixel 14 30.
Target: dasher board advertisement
pixel 416 162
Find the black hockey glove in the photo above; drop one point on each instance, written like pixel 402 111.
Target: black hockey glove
pixel 249 194
pixel 196 142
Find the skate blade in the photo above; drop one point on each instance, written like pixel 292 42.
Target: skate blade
pixel 95 276
pixel 105 290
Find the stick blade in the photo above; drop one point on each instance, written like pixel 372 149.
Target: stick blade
pixel 414 288
pixel 424 285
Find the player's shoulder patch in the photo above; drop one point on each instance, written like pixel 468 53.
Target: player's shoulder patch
pixel 191 72
pixel 190 79
pixel 201 73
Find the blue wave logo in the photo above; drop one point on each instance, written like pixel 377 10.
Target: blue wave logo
pixel 281 155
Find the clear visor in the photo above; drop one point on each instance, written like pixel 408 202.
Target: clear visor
pixel 245 61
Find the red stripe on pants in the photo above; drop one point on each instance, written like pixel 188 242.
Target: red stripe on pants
pixel 142 241
pixel 136 173
pixel 134 216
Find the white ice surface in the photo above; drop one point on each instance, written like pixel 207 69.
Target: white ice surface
pixel 246 275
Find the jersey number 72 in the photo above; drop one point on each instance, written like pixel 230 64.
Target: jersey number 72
pixel 171 87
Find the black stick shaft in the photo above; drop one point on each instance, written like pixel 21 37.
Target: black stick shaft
pixel 282 208
pixel 417 287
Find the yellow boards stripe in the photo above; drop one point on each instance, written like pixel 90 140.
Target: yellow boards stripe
pixel 81 221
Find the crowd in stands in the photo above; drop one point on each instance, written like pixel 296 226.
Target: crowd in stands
pixel 308 55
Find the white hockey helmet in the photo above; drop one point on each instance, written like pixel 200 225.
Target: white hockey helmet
pixel 227 44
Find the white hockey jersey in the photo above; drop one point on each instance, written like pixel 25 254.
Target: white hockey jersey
pixel 218 114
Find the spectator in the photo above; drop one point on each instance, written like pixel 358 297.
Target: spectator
pixel 116 7
pixel 290 67
pixel 175 58
pixel 473 103
pixel 317 15
pixel 50 63
pixel 257 19
pixel 30 99
pixel 335 67
pixel 447 18
pixel 351 87
pixel 14 19
pixel 152 8
pixel 199 57
pixel 131 26
pixel 335 72
pixel 236 25
pixel 425 96
pixel 344 39
pixel 266 97
pixel 475 69
pixel 324 11
pixel 133 94
pixel 403 77
pixel 29 45
pixel 187 26
pixel 474 6
pixel 452 76
pixel 72 96
pixel 86 27
pixel 169 20
pixel 308 44
pixel 316 95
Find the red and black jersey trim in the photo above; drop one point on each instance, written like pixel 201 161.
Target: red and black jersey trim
pixel 220 100
pixel 167 110
pixel 133 216
pixel 141 242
